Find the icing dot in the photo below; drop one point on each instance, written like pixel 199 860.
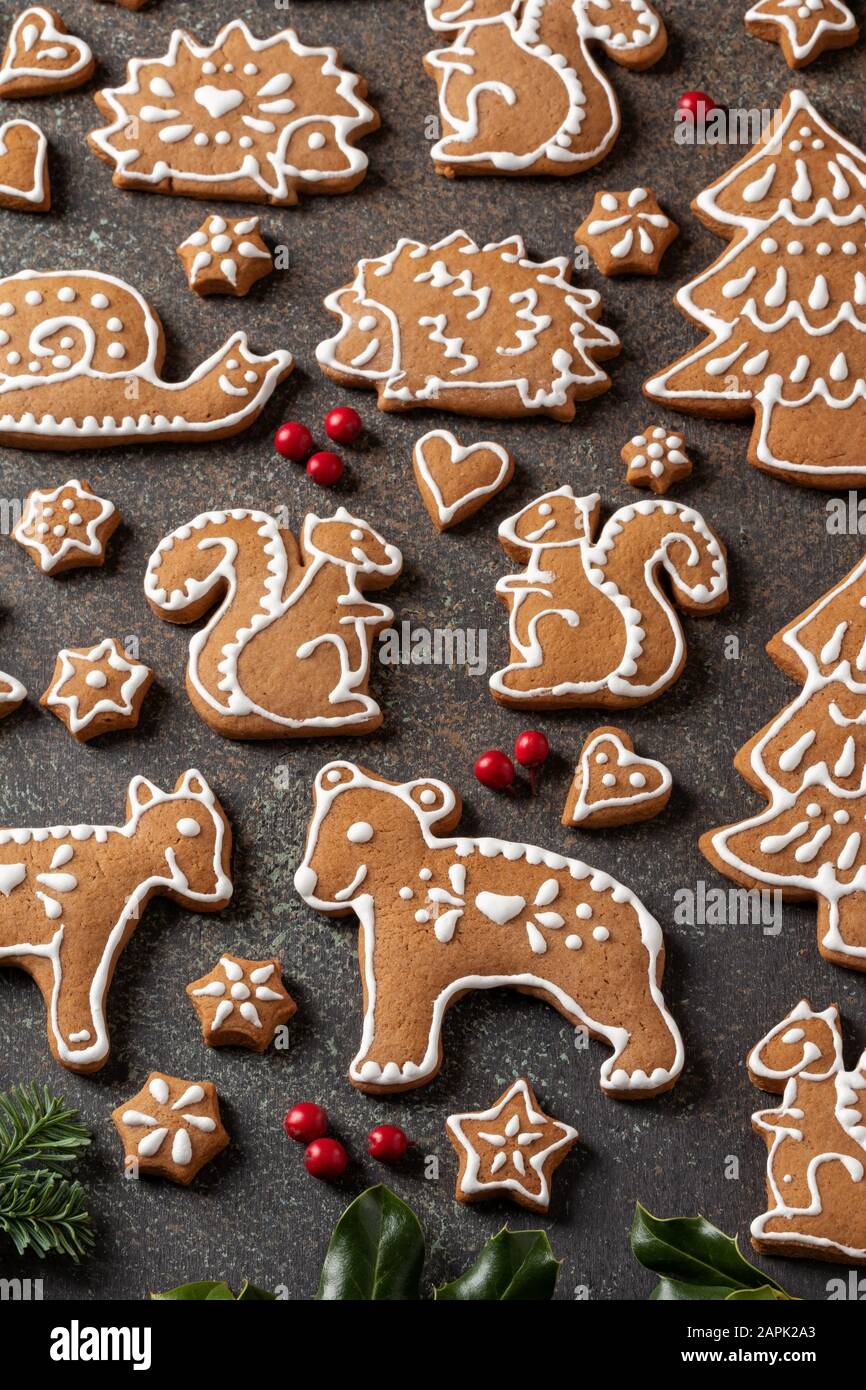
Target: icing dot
pixel 60 362
pixel 817 144
pixel 367 323
pixel 583 911
pixel 239 990
pixel 250 69
pixel 316 140
pixel 250 376
pixel 769 245
pixel 824 248
pixel 59 531
pixel 637 779
pixel 333 775
pixel 427 798
pixel 573 943
pixel 13 358
pixel 600 933
pixel 406 894
pixel 34 367
pixel 850 248
pixel 422 916
pixel 228 67
pixel 99 301
pixel 97 680
pixel 609 202
pixel 360 832
pixel 75 519
pixel 4 337
pixel 33 297
pixel 219 244
pixel 786 1177
pixel 425 874
pixel 222 137
pixel 601 759
pixel 116 350
pixel 42 529
pixel 6 309
pixel 66 294
pixel 813 809
pixel 805 129
pixel 795 248
pixel 655 451
pixel 233 364
pixel 201 138
pixel 841 817
pixel 545 509
pixel 114 326
pixel 188 827
pixel 68 504
pixel 67 342
pixel 245 142
pixel 608 780
pixel 796 146
pixel 209 68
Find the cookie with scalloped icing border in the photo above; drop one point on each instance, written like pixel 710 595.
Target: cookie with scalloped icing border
pixel 97 690
pixel 627 233
pixel 803 29
pixel 455 480
pixel 612 785
pixel 42 58
pixel 25 183
pixel 66 527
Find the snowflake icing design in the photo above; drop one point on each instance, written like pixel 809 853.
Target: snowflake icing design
pixel 185 1131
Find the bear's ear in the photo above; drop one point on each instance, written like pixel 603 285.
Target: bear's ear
pixel 332 776
pixel 435 800
pixel 141 792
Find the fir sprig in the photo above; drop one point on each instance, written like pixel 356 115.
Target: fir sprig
pixel 41 1209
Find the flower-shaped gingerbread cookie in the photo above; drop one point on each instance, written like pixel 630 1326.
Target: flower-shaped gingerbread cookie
pixel 656 459
pixel 225 256
pixel 41 56
pixel 510 1150
pixel 66 527
pixel 171 1128
pixel 627 233
pixel 241 1003
pixel 97 690
pixel 612 785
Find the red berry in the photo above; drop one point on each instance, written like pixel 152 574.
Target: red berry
pixel 343 424
pixel 388 1143
pixel 495 770
pixel 531 749
pixel 306 1121
pixel 294 441
pixel 697 104
pixel 325 1158
pixel 325 468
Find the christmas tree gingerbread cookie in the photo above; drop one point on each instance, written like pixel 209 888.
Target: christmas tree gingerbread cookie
pixel 816 1140
pixel 589 624
pixel 519 89
pixel 613 786
pixel 478 330
pixel 784 308
pixel 804 29
pixel 809 763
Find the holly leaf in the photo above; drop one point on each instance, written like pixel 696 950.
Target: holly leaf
pixel 376 1251
pixel 251 1293
pixel 201 1291
pixel 695 1260
pixel 513 1266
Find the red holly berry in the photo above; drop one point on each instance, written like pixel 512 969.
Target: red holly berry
pixel 343 424
pixel 325 468
pixel 531 749
pixel 306 1121
pixel 388 1143
pixel 294 441
pixel 697 104
pixel 325 1158
pixel 495 770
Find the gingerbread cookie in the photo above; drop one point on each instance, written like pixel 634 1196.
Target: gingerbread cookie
pixel 442 914
pixel 225 256
pixel 66 527
pixel 97 690
pixel 12 696
pixel 41 56
pixel 816 1140
pixel 25 185
pixel 782 307
pixel 613 786
pixel 809 763
pixel 171 1128
pixel 253 120
pixel 80 361
pixel 656 459
pixel 627 233
pixel 241 1003
pixel 519 89
pixel 804 29
pixel 456 479
pixel 286 652
pixel 478 330
pixel 589 623
pixel 511 1150
pixel 71 897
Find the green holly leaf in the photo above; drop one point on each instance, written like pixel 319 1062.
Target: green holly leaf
pixel 251 1293
pixel 376 1251
pixel 201 1291
pixel 513 1266
pixel 695 1260
pixel 768 1293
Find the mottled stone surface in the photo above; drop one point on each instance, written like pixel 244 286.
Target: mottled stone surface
pixel 255 1211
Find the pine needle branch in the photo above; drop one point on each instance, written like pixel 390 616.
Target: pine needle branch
pixel 46 1214
pixel 37 1128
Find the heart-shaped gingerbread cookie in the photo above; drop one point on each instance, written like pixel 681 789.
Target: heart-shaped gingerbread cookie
pixel 24 182
pixel 612 785
pixel 455 479
pixel 41 56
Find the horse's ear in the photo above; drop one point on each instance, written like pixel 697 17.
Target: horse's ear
pixel 435 800
pixel 141 792
pixel 192 784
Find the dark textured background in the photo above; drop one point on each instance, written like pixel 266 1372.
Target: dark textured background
pixel 254 1211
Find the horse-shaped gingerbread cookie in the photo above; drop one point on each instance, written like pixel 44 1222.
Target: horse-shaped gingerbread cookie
pixel 287 651
pixel 816 1140
pixel 71 897
pixel 589 623
pixel 442 916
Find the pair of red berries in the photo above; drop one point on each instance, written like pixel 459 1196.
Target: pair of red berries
pixel 327 1158
pixel 494 769
pixel 295 442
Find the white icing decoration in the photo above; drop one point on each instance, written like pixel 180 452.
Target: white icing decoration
pixel 514 1155
pixel 38 504
pixel 22 39
pixel 625 758
pixel 458 454
pixel 107 652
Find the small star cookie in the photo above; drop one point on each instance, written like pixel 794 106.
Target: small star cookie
pixel 171 1128
pixel 12 694
pixel 67 527
pixel 627 233
pixel 241 1003
pixel 613 786
pixel 510 1150
pixel 225 256
pixel 656 459
pixel 42 57
pixel 25 185
pixel 97 690
pixel 804 29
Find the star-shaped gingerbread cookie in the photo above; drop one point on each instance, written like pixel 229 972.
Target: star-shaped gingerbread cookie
pixel 225 256
pixel 614 786
pixel 66 527
pixel 627 233
pixel 510 1150
pixel 241 1003
pixel 171 1128
pixel 656 459
pixel 97 690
